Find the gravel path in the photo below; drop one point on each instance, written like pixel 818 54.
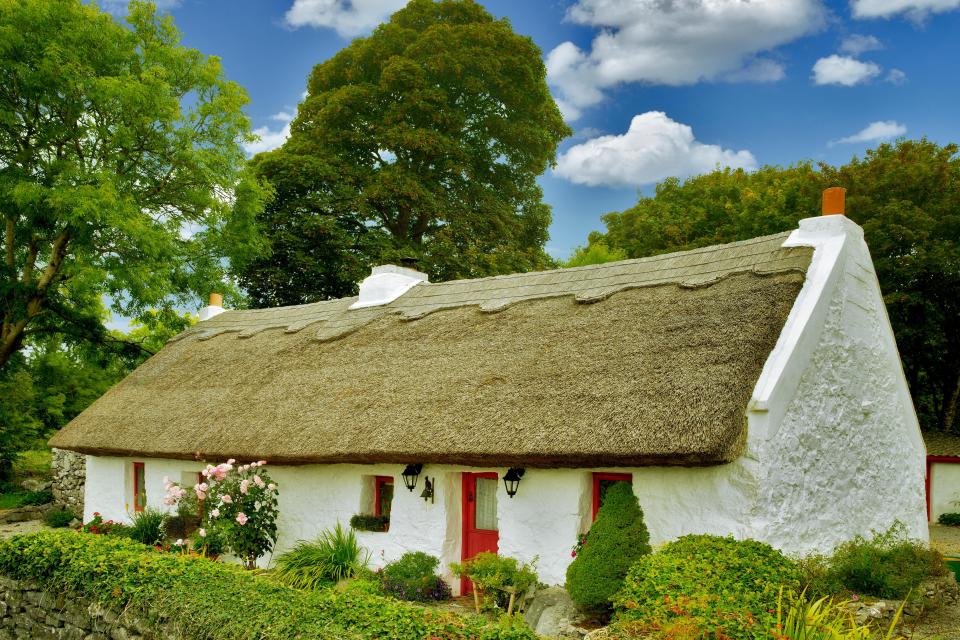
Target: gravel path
pixel 7 530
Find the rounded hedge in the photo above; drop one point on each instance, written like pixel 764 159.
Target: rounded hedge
pixel 722 586
pixel 617 539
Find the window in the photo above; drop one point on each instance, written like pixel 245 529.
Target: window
pixel 602 482
pixel 485 516
pixel 139 487
pixel 382 495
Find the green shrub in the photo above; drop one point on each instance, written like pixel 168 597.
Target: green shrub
pixel 367 522
pixel 216 601
pixel 723 587
pixel 36 498
pixel 147 526
pixel 494 576
pixel 8 487
pixel 334 556
pixel 888 565
pixel 59 518
pixel 949 519
pixel 617 539
pixel 414 577
pixel 179 525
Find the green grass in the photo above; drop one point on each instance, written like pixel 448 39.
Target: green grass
pixel 12 500
pixel 954 565
pixel 35 463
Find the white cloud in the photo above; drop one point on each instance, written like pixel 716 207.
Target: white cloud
pixel 843 70
pixel 674 42
pixel 875 131
pixel 915 9
pixel 270 138
pixel 655 147
pixel 347 17
pixel 896 76
pixel 857 44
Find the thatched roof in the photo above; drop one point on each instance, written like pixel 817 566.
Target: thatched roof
pixel 648 361
pixel 945 445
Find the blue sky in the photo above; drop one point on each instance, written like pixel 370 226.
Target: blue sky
pixel 652 87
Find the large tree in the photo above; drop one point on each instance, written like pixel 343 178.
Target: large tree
pixel 424 139
pixel 119 166
pixel 906 196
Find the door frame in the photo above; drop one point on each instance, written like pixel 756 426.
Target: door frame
pixel 467 483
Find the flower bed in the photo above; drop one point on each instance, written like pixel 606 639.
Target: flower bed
pixel 205 599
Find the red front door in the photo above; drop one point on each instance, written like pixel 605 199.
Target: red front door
pixel 480 531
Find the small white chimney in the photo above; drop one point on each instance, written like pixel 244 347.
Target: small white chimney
pixel 215 307
pixel 386 283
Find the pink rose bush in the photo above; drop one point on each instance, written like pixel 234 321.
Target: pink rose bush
pixel 237 506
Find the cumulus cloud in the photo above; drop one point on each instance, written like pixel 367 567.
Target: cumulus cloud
pixel 675 42
pixel 843 70
pixel 876 131
pixel 270 138
pixel 655 147
pixel 916 9
pixel 857 44
pixel 347 17
pixel 896 76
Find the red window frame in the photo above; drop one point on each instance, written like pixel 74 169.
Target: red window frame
pixel 378 482
pixel 138 470
pixel 597 477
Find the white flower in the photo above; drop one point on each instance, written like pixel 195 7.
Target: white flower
pixel 215 513
pixel 202 533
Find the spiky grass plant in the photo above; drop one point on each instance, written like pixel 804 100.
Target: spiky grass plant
pixel 335 555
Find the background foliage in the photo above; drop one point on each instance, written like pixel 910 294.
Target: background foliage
pixel 424 139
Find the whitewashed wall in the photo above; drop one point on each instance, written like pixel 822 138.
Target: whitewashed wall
pixel 831 422
pixel 543 520
pixel 944 489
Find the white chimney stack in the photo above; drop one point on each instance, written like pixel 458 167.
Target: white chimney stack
pixel 385 284
pixel 215 307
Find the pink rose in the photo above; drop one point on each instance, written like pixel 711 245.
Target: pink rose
pixel 244 486
pixel 260 463
pixel 259 481
pixel 215 513
pixel 231 461
pixel 226 498
pixel 242 518
pixel 271 486
pixel 202 533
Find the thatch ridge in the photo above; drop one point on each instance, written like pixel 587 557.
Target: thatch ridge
pixel 648 361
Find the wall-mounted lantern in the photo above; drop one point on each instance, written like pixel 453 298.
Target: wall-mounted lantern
pixel 428 489
pixel 410 474
pixel 512 480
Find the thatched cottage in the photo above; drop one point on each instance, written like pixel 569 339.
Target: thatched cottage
pixel 751 389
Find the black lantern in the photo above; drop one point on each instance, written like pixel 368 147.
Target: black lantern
pixel 428 489
pixel 410 474
pixel 512 480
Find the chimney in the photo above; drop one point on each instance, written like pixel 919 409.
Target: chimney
pixel 385 284
pixel 215 307
pixel 834 201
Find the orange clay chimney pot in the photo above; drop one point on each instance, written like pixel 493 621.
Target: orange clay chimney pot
pixel 834 201
pixel 216 299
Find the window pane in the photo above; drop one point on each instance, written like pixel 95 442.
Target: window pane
pixel 140 499
pixel 386 497
pixel 485 516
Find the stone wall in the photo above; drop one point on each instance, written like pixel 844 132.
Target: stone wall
pixel 929 596
pixel 27 611
pixel 69 475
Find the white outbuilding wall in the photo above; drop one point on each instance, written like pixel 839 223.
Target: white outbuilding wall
pixel 944 488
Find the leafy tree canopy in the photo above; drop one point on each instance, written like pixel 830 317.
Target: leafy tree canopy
pixel 424 139
pixel 43 389
pixel 119 166
pixel 906 196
